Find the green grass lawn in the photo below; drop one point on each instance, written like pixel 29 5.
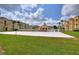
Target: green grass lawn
pixel 76 34
pixel 14 44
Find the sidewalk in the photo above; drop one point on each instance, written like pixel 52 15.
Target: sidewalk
pixel 44 34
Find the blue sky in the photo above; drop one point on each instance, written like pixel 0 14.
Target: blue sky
pixel 36 14
pixel 53 10
pixel 32 13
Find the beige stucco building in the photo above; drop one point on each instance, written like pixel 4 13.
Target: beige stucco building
pixel 10 25
pixel 43 27
pixel 76 23
pixel 66 26
pixel 5 24
pixel 72 24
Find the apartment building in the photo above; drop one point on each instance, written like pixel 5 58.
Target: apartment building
pixel 11 25
pixel 72 24
pixel 43 27
pixel 76 23
pixel 66 26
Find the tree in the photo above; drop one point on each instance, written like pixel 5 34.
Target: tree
pixel 55 27
pixel 62 22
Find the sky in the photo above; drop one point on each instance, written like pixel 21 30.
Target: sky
pixel 37 14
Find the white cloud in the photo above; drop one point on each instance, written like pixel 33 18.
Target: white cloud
pixel 49 22
pixel 64 18
pixel 10 7
pixel 35 23
pixel 72 16
pixel 24 13
pixel 35 18
pixel 28 7
pixel 37 15
pixel 16 12
pixel 39 12
pixel 70 9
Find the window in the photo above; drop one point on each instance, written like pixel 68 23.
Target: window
pixel 76 24
pixel 5 22
pixel 43 28
pixel 76 19
pixel 46 28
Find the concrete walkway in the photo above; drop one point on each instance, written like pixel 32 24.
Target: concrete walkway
pixel 44 34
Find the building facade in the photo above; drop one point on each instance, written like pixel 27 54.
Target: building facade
pixel 72 24
pixel 11 25
pixel 43 27
pixel 5 24
pixel 66 26
pixel 76 23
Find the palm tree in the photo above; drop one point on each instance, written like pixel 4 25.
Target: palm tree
pixel 59 25
pixel 55 27
pixel 62 22
pixel 62 27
